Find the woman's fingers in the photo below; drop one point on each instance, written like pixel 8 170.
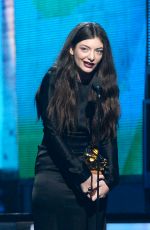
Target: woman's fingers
pixel 89 187
pixel 86 185
pixel 103 190
pixel 101 177
pixel 94 179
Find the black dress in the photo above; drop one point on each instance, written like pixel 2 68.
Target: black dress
pixel 58 202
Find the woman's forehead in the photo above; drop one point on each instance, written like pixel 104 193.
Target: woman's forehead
pixel 91 42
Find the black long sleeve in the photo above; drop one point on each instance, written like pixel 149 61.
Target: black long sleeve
pixel 109 150
pixel 57 149
pixel 64 157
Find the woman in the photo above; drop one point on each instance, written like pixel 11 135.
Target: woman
pixel 65 189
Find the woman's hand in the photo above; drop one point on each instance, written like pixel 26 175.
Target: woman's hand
pixel 94 180
pixel 86 185
pixel 103 190
pixel 90 185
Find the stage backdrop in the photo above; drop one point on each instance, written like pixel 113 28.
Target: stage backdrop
pixel 8 100
pixel 41 27
pixel 1 85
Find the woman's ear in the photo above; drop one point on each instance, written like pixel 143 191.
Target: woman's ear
pixel 71 51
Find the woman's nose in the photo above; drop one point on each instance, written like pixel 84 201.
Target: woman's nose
pixel 91 56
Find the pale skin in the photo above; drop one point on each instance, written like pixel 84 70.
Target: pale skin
pixel 103 188
pixel 87 55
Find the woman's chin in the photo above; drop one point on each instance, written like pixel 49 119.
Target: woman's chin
pixel 86 70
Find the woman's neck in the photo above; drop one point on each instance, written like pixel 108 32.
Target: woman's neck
pixel 85 78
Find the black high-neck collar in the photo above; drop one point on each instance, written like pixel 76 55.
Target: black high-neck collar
pixel 85 78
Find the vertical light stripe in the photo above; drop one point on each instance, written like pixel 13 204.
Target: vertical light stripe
pixel 9 154
pixel 1 86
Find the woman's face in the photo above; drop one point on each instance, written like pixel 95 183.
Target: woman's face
pixel 87 54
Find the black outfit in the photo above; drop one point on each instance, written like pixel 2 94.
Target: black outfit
pixel 58 202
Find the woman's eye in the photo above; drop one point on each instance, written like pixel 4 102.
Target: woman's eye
pixel 85 49
pixel 99 51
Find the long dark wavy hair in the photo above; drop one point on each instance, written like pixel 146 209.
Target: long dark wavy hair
pixel 63 104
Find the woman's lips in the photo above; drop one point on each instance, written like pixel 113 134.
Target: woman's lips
pixel 88 64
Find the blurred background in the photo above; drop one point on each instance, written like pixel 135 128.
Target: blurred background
pixel 32 33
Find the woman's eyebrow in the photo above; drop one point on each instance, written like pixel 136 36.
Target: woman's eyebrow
pixel 90 47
